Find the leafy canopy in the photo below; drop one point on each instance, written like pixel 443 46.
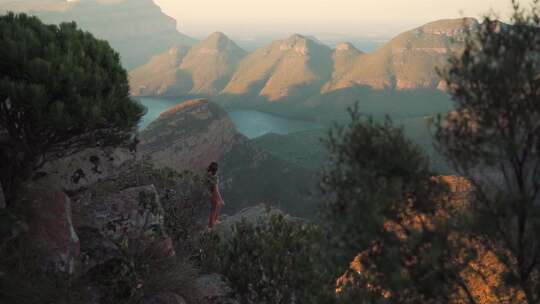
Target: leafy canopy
pixel 61 90
pixel 493 139
pixel 59 87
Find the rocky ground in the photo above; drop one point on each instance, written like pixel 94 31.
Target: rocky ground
pixel 90 211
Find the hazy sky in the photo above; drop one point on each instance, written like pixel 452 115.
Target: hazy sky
pixel 378 18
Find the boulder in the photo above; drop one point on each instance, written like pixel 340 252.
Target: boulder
pixel 87 167
pixel 164 298
pixel 46 210
pixel 215 290
pixel 133 213
pixel 95 248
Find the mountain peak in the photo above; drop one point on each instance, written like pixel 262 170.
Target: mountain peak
pixel 302 38
pixel 217 36
pixel 300 44
pixel 294 37
pixel 346 47
pixel 218 41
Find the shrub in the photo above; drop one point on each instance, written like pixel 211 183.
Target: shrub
pixel 135 275
pixel 272 261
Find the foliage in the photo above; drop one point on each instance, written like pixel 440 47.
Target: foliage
pixel 390 216
pixel 208 254
pixel 147 265
pixel 135 275
pixel 61 90
pixel 183 197
pixel 272 261
pixel 493 139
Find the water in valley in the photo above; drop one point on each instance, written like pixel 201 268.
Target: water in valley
pixel 250 123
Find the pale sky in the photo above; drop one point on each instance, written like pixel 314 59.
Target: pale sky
pixel 360 18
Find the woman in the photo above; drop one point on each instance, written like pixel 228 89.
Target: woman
pixel 213 187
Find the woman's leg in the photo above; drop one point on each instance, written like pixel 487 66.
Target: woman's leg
pixel 212 219
pixel 218 212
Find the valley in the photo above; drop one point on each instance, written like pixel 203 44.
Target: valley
pixel 273 161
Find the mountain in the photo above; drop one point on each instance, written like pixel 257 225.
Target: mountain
pixel 302 78
pixel 300 67
pixel 211 63
pixel 285 69
pixel 161 76
pixel 137 29
pixel 197 132
pixel 189 136
pixel 203 69
pixel 343 57
pixel 407 61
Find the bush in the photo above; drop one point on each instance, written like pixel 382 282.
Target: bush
pixel 273 261
pixel 135 275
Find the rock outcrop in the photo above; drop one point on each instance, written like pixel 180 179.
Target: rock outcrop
pixel 189 136
pixel 46 211
pixel 88 167
pixel 131 213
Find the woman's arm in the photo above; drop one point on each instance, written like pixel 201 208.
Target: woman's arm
pixel 217 195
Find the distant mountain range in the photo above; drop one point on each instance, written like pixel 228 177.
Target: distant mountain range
pixel 298 76
pixel 305 74
pixel 137 29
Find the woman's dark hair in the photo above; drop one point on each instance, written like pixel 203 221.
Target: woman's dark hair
pixel 213 168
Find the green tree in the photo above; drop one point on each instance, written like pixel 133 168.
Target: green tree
pixel 493 139
pixel 61 90
pixel 386 215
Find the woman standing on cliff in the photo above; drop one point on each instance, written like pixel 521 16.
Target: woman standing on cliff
pixel 213 187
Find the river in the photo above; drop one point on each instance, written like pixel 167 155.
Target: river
pixel 250 123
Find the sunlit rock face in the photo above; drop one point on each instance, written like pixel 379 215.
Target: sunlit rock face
pixel 283 70
pixel 201 70
pixel 408 61
pixel 87 167
pixel 483 276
